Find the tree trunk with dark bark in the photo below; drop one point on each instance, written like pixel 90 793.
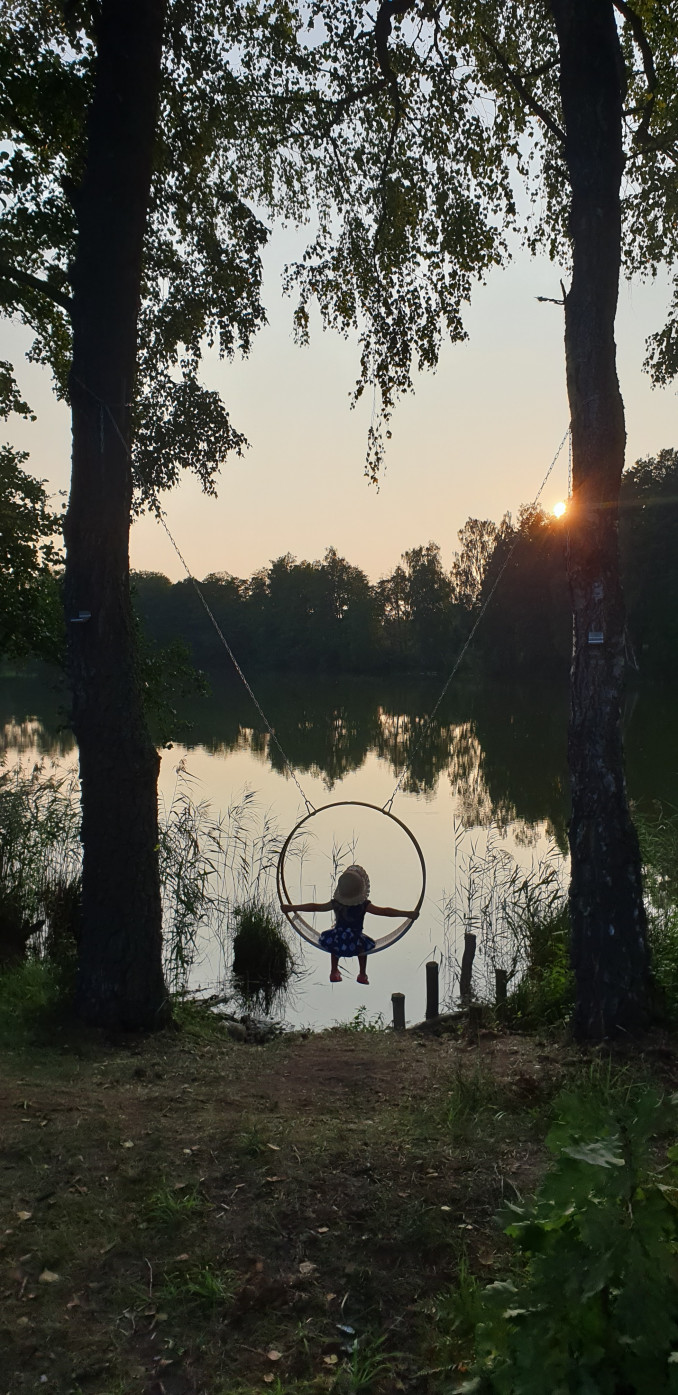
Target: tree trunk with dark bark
pixel 609 945
pixel 120 980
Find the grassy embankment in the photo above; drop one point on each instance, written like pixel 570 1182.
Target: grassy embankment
pixel 187 1214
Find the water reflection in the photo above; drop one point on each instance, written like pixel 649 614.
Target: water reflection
pixel 501 749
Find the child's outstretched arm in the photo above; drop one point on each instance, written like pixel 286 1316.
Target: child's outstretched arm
pixel 311 906
pixel 390 910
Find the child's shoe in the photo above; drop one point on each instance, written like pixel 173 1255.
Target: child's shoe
pixel 335 976
pixel 362 978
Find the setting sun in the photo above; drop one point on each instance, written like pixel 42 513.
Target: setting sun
pixel 560 508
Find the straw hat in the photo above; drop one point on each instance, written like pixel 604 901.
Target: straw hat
pixel 353 887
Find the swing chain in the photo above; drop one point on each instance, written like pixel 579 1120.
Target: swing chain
pixel 470 637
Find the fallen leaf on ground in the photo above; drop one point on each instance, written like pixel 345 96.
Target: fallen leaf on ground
pixel 48 1277
pixel 331 1360
pixel 330 1296
pixel 274 1355
pixel 181 1258
pixel 323 1230
pixel 24 1215
pixel 306 1267
pixel 275 1179
pixel 273 1147
pixel 446 1208
pixel 128 1144
pixel 269 1378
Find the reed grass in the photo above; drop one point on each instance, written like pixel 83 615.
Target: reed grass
pixel 520 920
pixel 212 868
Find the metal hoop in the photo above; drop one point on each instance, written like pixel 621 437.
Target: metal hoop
pixel 296 919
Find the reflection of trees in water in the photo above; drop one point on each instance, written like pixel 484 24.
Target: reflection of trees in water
pixel 502 748
pixel 328 731
pixel 33 714
pixel 466 774
pixel 410 741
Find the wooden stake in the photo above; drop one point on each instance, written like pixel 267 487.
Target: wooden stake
pixel 467 969
pixel 432 998
pixel 398 1000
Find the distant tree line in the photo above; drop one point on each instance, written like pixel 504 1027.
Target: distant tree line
pixel 326 616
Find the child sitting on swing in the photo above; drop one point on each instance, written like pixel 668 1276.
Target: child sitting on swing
pixel 350 904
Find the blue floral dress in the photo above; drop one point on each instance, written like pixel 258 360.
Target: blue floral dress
pixel 346 938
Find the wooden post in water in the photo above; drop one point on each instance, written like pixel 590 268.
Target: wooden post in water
pixel 500 988
pixel 467 969
pixel 432 999
pixel 398 1000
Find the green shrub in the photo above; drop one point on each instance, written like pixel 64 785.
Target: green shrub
pixel 592 1308
pixel 33 995
pixel 263 963
pixel 545 993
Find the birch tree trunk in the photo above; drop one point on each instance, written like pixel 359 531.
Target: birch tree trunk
pixel 120 972
pixel 609 946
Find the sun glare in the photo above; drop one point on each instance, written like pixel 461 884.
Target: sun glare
pixel 560 508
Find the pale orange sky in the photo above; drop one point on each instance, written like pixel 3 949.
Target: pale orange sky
pixel 474 440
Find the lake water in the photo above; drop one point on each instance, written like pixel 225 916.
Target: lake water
pixel 485 789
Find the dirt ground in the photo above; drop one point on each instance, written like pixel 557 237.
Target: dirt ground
pixel 188 1215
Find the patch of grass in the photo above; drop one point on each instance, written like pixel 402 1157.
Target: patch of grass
pixel 457 1312
pixel 251 1143
pixel 196 1020
pixel 204 1287
pixel 369 1365
pixel 471 1092
pixel 168 1204
pixel 360 1022
pixel 263 963
pixel 416 1225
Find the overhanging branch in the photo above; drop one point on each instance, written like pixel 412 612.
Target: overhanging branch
pixel 520 86
pixel 635 24
pixel 34 283
pixel 388 9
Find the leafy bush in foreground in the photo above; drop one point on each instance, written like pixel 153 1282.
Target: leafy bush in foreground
pixel 593 1310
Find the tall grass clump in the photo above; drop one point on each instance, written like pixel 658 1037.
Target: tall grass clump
pixel 218 879
pixel 263 963
pixel 521 923
pixel 39 854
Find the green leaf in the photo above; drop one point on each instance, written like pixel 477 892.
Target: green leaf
pixel 599 1153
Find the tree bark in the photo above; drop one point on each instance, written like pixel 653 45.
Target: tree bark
pixel 609 944
pixel 120 980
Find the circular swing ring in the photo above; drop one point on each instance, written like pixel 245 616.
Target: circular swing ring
pixel 296 919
